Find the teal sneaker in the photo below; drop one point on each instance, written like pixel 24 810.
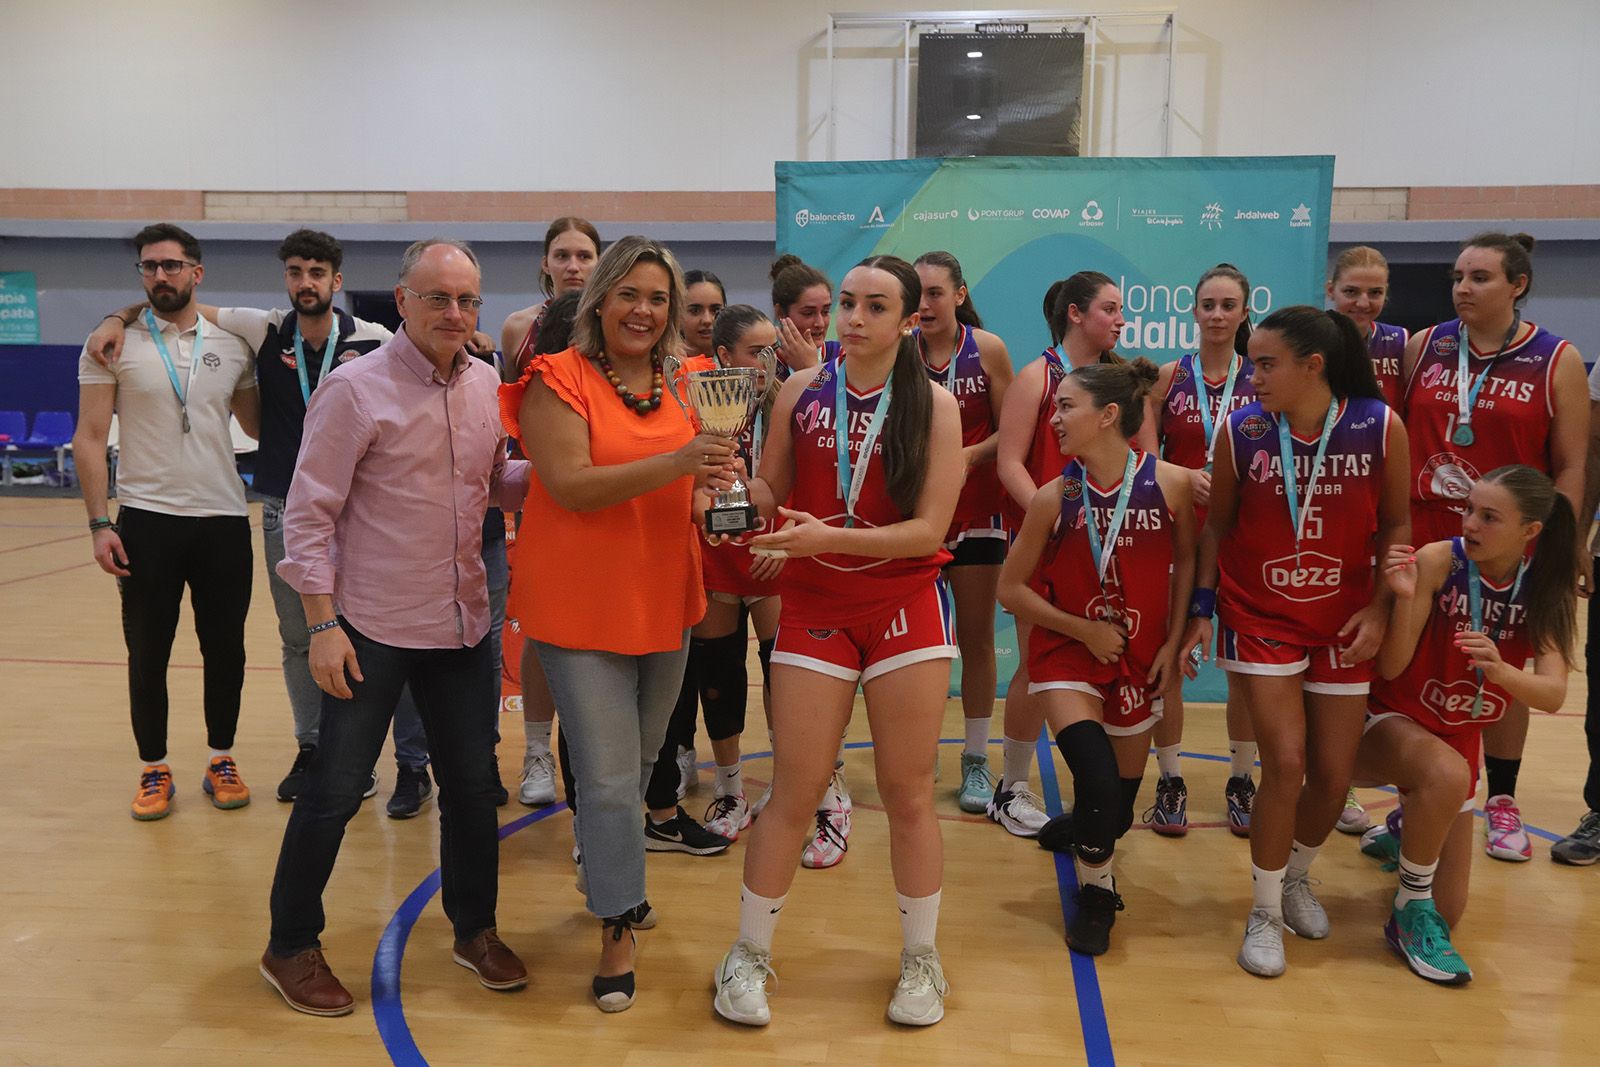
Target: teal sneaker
pixel 1422 938
pixel 1382 842
pixel 977 788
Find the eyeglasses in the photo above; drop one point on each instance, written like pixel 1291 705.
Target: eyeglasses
pixel 169 267
pixel 440 301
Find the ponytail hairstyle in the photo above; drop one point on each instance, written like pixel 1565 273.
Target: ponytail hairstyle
pixel 1125 384
pixel 1551 581
pixel 1078 292
pixel 905 432
pixel 1051 296
pixel 1355 257
pixel 731 324
pixel 1346 365
pixel 557 228
pixel 792 276
pixel 1241 337
pixel 555 325
pixel 695 277
pixel 1515 255
pixel 966 312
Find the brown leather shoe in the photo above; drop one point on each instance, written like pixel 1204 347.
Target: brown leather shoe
pixel 307 984
pixel 496 965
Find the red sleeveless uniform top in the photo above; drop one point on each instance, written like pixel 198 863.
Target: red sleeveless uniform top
pixel 1264 591
pixel 834 590
pixel 1387 347
pixel 1181 430
pixel 1138 578
pixel 966 379
pixel 1043 459
pixel 1438 687
pixel 1510 421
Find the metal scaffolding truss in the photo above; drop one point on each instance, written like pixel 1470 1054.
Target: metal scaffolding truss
pixel 914 22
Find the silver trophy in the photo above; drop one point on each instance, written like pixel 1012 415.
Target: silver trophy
pixel 724 402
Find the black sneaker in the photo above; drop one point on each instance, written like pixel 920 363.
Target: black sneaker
pixel 412 789
pixel 501 796
pixel 295 780
pixel 1056 836
pixel 1581 847
pixel 682 834
pixel 1090 929
pixel 1241 797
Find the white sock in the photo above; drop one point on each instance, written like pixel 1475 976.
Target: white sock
pixel 1242 757
pixel 730 780
pixel 758 916
pixel 830 798
pixel 1267 887
pixel 978 736
pixel 1167 760
pixel 152 762
pixel 215 753
pixel 1096 876
pixel 1416 882
pixel 1300 858
pixel 1018 763
pixel 536 736
pixel 919 919
pixel 838 761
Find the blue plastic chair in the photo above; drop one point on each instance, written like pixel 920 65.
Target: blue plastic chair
pixel 51 429
pixel 13 424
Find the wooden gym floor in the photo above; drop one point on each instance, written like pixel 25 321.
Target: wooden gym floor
pixel 137 943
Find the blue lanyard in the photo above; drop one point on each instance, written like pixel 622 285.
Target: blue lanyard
pixel 1291 488
pixel 1475 610
pixel 1206 422
pixel 1467 398
pixel 1102 555
pixel 851 481
pixel 955 353
pixel 300 357
pixel 166 357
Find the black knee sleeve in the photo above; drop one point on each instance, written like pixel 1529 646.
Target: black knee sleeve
pixel 1130 795
pixel 724 682
pixel 680 728
pixel 764 652
pixel 1096 794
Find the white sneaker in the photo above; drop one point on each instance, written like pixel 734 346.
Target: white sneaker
pixel 919 995
pixel 688 772
pixel 740 982
pixel 727 815
pixel 1354 818
pixel 538 779
pixel 843 791
pixel 829 842
pixel 1262 951
pixel 1302 911
pixel 581 880
pixel 761 802
pixel 1018 810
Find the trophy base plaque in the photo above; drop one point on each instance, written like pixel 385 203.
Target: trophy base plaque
pixel 731 519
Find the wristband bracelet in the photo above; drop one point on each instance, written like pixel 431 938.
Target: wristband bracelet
pixel 1203 604
pixel 102 523
pixel 321 626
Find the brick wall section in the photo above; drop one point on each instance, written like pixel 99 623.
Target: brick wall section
pixel 142 205
pixel 595 206
pixel 1506 202
pixel 1369 205
pixel 306 207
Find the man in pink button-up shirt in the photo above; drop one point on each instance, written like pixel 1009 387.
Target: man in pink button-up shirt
pixel 402 453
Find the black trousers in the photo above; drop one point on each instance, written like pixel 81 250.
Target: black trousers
pixel 211 555
pixel 1591 718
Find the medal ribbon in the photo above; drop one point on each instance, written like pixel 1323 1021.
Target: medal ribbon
pixel 1206 422
pixel 852 481
pixel 1102 553
pixel 1291 488
pixel 1475 610
pixel 1467 398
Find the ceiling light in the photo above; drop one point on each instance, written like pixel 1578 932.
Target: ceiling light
pixel 974 55
pixel 974 118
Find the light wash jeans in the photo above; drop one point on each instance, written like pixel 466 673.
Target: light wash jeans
pixel 305 699
pixel 614 712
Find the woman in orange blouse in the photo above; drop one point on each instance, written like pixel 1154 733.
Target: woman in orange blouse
pixel 609 584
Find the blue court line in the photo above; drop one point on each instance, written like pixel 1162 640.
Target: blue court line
pixel 387 1009
pixel 1085 978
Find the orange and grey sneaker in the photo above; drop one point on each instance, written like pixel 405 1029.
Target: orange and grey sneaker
pixel 154 799
pixel 223 784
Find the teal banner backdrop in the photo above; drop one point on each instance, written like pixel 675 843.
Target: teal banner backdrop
pixel 1019 224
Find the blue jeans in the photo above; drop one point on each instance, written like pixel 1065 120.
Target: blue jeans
pixel 452 688
pixel 305 699
pixel 614 712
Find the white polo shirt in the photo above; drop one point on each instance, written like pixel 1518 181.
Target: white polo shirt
pixel 161 468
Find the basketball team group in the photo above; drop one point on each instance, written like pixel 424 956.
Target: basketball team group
pixel 1378 537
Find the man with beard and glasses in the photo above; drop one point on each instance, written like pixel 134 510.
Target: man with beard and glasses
pixel 181 516
pixel 294 349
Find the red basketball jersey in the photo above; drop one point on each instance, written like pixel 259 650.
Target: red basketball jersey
pixel 1138 579
pixel 832 591
pixel 1265 591
pixel 1438 687
pixel 964 376
pixel 1181 429
pixel 1387 347
pixel 1043 459
pixel 1510 421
